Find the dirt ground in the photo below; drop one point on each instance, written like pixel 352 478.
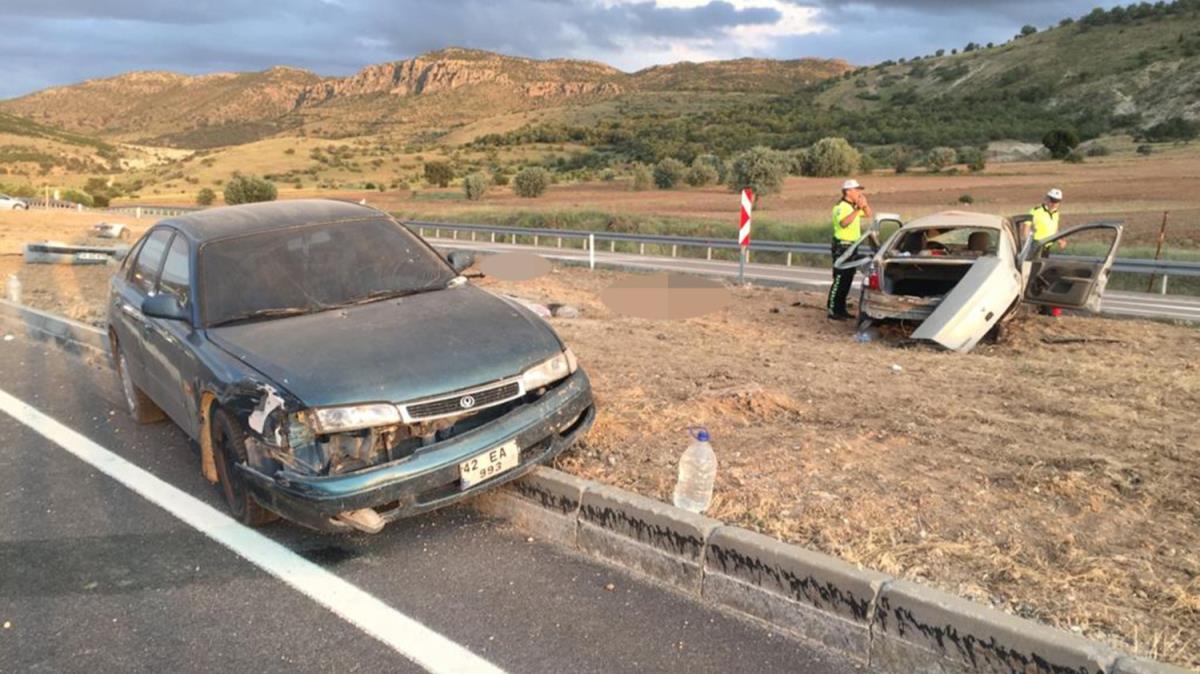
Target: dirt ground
pixel 1057 482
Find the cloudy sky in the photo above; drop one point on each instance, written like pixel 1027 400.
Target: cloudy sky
pixel 49 42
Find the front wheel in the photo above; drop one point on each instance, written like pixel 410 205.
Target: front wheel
pixel 229 449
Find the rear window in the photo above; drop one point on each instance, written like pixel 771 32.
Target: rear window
pixel 314 267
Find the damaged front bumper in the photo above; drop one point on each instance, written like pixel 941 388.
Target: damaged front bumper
pixel 430 478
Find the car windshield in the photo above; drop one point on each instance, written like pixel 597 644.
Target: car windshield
pixel 947 241
pixel 313 268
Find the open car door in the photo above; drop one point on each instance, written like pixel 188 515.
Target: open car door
pixel 1072 281
pixel 863 251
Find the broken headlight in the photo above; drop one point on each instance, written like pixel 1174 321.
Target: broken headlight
pixel 549 371
pixel 353 417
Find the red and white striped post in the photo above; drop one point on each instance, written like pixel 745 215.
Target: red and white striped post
pixel 744 232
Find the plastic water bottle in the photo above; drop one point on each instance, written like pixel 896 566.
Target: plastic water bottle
pixel 697 472
pixel 14 289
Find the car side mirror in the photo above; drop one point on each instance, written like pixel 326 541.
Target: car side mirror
pixel 164 305
pixel 460 259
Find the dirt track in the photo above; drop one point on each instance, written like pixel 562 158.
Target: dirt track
pixel 1058 482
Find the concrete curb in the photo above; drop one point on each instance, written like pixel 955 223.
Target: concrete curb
pixel 891 625
pixel 71 336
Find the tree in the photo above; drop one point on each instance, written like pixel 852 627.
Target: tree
pixel 939 158
pixel 475 185
pixel 668 173
pixel 1027 30
pixel 642 180
pixel 205 197
pixel 249 189
pixel 531 182
pixel 973 157
pixel 1060 142
pixel 901 159
pixel 760 168
pixel 831 157
pixel 438 173
pixel 701 173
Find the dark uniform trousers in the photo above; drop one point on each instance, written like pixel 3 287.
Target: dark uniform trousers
pixel 842 279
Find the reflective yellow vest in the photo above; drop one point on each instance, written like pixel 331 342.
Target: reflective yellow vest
pixel 1045 222
pixel 851 232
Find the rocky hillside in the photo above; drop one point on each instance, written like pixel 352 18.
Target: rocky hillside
pixel 232 108
pixel 1133 67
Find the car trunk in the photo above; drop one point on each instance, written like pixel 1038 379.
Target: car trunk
pixel 923 277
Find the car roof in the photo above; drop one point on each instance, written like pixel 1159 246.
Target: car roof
pixel 959 219
pixel 226 221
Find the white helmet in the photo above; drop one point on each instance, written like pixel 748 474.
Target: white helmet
pixel 1054 194
pixel 851 184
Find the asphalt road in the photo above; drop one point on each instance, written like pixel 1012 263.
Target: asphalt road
pixel 1142 305
pixel 96 577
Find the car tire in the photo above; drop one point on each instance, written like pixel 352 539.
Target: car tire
pixel 229 449
pixel 140 406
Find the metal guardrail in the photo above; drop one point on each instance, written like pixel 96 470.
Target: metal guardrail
pixel 498 234
pixel 139 211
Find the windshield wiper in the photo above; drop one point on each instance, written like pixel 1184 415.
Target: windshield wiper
pixel 276 312
pixel 380 295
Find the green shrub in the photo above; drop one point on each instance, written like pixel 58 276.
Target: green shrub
pixel 701 173
pixel 668 173
pixel 531 182
pixel 760 168
pixel 966 199
pixel 1075 157
pixel 500 177
pixel 939 158
pixel 831 157
pixel 867 164
pixel 100 200
pixel 901 159
pixel 249 189
pixel 1060 142
pixel 77 197
pixel 642 180
pixel 438 173
pixel 475 186
pixel 1145 149
pixel 1098 150
pixel 715 162
pixel 205 197
pixel 973 157
pixel 608 175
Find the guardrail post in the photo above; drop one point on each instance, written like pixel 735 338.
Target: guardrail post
pixel 514 239
pixel 535 239
pixel 437 233
pixel 138 214
pixel 641 249
pixel 674 249
pixel 1164 284
pixel 591 251
pixel 612 246
pixel 560 242
pixel 493 237
pixel 454 234
pixel 79 207
pixel 472 235
pixel 789 258
pixel 421 231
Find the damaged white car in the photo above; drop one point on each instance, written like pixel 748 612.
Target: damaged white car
pixel 959 274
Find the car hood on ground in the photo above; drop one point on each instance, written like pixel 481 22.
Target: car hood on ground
pixel 393 350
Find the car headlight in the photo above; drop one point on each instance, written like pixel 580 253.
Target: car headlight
pixel 549 371
pixel 354 417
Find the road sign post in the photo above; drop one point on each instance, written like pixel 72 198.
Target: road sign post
pixel 744 232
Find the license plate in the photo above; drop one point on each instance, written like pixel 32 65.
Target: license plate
pixel 489 464
pixel 92 257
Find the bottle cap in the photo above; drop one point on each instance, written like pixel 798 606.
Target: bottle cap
pixel 699 433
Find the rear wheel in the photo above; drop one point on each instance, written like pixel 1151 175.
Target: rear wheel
pixel 229 449
pixel 141 407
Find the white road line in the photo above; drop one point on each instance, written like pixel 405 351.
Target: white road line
pixel 406 636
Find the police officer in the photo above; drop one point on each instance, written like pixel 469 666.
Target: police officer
pixel 1044 218
pixel 847 228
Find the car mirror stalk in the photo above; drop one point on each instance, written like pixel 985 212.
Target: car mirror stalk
pixel 164 305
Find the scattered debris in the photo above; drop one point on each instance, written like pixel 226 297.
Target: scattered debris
pixel 539 309
pixel 896 368
pixel 8 337
pixel 564 311
pixel 57 252
pixel 111 230
pixel 610 587
pixel 1081 340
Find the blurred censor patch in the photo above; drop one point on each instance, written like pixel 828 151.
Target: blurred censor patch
pixel 514 266
pixel 665 296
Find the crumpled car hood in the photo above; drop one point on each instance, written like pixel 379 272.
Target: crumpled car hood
pixel 395 350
